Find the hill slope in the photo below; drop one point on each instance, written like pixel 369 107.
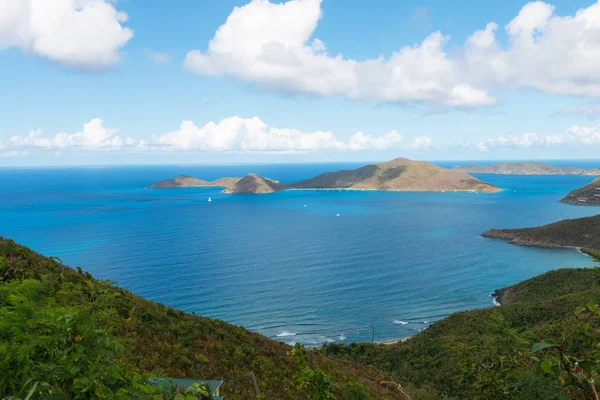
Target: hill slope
pixel 581 233
pixel 166 341
pixel 491 359
pixel 254 184
pixel 398 174
pixel 587 195
pixel 525 168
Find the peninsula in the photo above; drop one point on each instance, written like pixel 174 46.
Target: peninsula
pixel 525 168
pixel 587 195
pixel 399 174
pixel 254 184
pixel 582 233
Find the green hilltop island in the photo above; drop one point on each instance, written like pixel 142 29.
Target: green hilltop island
pixel 65 334
pixel 400 174
pixel 525 168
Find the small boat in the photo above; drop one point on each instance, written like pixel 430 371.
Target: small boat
pixel 209 199
pixel 337 215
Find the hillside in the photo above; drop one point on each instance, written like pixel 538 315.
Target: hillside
pixel 587 195
pixel 254 184
pixel 149 338
pixel 580 233
pixel 490 353
pixel 183 181
pixel 398 174
pixel 525 168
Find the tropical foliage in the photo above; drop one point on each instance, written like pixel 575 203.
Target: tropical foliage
pixel 62 331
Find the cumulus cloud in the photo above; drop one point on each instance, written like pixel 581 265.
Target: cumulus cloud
pixel 77 33
pixel 93 137
pixel 277 51
pixel 234 134
pixel 543 51
pixel 252 134
pixel 574 136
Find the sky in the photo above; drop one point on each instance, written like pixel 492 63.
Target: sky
pixel 102 82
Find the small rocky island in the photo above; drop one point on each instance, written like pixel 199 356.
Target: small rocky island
pixel 400 174
pixel 254 184
pixel 251 183
pixel 587 195
pixel 525 168
pixel 183 181
pixel 580 233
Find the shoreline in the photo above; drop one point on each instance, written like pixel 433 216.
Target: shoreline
pixel 396 190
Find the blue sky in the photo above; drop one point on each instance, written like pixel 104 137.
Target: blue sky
pixel 116 90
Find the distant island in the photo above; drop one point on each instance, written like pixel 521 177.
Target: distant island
pixel 587 195
pixel 183 181
pixel 581 233
pixel 525 168
pixel 399 174
pixel 254 184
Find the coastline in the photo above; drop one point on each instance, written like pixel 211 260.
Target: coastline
pixel 395 190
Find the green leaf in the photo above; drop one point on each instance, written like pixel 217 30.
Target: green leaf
pixel 592 306
pixel 546 366
pixel 541 346
pixel 31 391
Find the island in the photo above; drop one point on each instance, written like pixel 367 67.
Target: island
pixel 587 195
pixel 183 181
pixel 254 184
pixel 400 174
pixel 579 233
pixel 525 168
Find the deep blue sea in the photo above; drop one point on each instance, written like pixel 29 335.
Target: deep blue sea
pixel 284 264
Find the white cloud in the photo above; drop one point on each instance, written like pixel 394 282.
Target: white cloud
pixel 234 134
pixel 252 134
pixel 360 141
pixel 577 136
pixel 589 111
pixel 277 50
pixel 93 137
pixel 77 33
pixel 239 134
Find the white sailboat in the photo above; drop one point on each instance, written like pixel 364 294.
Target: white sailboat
pixel 209 199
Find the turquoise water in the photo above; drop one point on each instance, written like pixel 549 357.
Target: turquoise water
pixel 284 264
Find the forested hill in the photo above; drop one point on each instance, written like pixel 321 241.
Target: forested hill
pixel 62 331
pixel 580 232
pixel 542 343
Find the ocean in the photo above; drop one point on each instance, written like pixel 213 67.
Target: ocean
pixel 285 264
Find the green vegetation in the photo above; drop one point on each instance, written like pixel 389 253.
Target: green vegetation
pixel 62 331
pixel 587 195
pixel 504 352
pixel 581 232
